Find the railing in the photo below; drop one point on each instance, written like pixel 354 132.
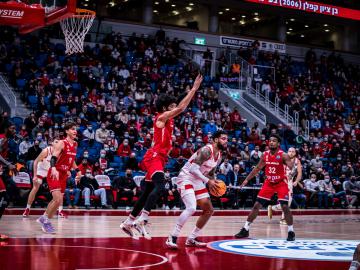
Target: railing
pixel 257 113
pixel 8 94
pixel 274 106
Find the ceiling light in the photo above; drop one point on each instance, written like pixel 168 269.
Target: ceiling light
pixel 302 36
pixel 173 5
pixel 175 12
pixel 306 26
pixel 327 30
pixel 286 22
pixel 227 9
pixel 85 4
pixel 325 25
pixel 257 19
pixel 243 16
pixel 242 22
pixel 166 1
pixel 233 18
pixel 220 12
pixel 292 19
pixel 156 3
pixel 111 4
pixel 191 4
pixel 155 11
pixel 188 8
pixel 290 29
pixel 288 33
pixel 256 14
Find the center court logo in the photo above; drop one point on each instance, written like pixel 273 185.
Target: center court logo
pixel 302 249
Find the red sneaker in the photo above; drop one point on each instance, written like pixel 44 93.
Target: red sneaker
pixel 26 212
pixel 62 214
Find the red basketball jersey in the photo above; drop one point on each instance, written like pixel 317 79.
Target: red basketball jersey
pixel 162 141
pixel 274 169
pixel 67 156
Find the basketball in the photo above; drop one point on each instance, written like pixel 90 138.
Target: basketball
pixel 220 190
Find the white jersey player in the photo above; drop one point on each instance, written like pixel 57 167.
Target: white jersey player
pixel 191 182
pixel 41 168
pixel 295 173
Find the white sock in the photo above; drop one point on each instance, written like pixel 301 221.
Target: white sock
pixel 247 225
pixel 276 207
pixel 176 231
pixel 290 228
pixel 46 217
pixel 144 215
pixel 195 233
pixel 354 265
pixel 28 206
pixel 60 208
pixel 130 220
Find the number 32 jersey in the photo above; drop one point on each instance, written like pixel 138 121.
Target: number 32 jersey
pixel 274 169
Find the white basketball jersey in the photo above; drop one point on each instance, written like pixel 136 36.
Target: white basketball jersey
pixel 44 165
pixel 207 165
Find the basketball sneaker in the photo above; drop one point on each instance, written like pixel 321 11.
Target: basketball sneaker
pixel 283 222
pixel 291 236
pixel 171 242
pixel 26 212
pixel 62 214
pixel 269 212
pixel 4 237
pixel 46 226
pixel 128 229
pixel 190 242
pixel 140 226
pixel 242 234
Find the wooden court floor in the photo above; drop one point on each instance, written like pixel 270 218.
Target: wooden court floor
pixel 93 240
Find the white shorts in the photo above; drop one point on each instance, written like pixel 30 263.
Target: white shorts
pixel 188 185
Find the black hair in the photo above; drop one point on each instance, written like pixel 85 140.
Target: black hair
pixel 164 100
pixel 276 136
pixel 218 133
pixel 69 125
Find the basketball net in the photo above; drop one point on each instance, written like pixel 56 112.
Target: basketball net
pixel 75 29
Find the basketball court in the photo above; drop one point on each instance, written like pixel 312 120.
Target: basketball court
pixel 93 240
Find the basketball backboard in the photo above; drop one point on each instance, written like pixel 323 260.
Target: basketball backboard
pixel 29 17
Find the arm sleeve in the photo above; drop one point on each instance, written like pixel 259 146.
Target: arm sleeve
pixel 195 170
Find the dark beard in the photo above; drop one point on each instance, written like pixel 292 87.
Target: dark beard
pixel 221 147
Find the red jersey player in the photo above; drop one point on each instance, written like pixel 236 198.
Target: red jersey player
pixel 155 159
pixel 61 162
pixel 273 160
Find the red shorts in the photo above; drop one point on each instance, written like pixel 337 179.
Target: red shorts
pixel 2 185
pixel 57 184
pixel 268 190
pixel 152 163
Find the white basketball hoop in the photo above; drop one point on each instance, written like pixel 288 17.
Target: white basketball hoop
pixel 75 29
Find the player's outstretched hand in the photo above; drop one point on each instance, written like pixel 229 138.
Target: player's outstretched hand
pixel 197 83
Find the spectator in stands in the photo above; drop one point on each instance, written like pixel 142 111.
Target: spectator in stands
pixel 233 179
pixel 188 151
pixel 126 188
pixel 299 198
pixel 33 152
pixel 210 127
pixel 353 190
pixel 124 149
pixel 316 164
pixel 315 124
pixel 312 186
pixel 89 135
pixel 132 163
pixel 102 133
pixel 39 129
pixel 89 186
pixel 226 167
pixel 72 190
pixel 24 147
pixel 85 166
pixel 171 196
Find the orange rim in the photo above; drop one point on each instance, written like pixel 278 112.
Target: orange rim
pixel 84 13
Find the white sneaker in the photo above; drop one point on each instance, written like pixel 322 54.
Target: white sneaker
pixel 128 229
pixel 194 243
pixel 140 226
pixel 167 208
pixel 171 242
pixel 163 207
pixel 127 208
pixel 176 208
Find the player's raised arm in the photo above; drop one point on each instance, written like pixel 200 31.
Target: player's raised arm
pixel 182 105
pixel 254 171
